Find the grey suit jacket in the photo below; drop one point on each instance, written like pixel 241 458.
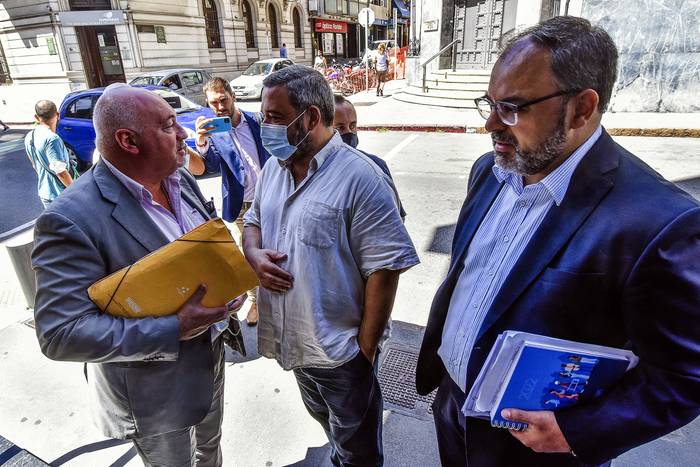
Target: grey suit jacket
pixel 143 380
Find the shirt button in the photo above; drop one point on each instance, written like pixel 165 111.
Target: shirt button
pixel 522 204
pixel 491 273
pixel 476 306
pixel 506 238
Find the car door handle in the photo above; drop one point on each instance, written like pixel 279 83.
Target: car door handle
pixel 67 128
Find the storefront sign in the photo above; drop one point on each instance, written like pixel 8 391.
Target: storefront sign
pixel 324 25
pixel 91 18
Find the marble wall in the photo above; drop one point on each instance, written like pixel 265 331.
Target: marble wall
pixel 659 46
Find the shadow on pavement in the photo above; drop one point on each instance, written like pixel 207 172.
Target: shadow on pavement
pixel 92 447
pixel 315 457
pixel 691 185
pixel 442 239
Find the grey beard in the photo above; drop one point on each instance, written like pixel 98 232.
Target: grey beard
pixel 536 160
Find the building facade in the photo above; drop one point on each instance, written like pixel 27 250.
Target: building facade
pixel 338 34
pixel 658 42
pixel 51 47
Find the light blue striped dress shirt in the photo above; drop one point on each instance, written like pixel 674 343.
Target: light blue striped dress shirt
pixel 502 236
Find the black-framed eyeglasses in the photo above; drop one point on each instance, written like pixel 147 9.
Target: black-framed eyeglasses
pixel 507 111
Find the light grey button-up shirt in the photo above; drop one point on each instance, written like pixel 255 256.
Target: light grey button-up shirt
pixel 338 226
pixel 510 223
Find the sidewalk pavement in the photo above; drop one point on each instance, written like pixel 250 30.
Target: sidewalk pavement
pixel 386 113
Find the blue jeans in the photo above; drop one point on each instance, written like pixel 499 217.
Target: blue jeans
pixel 347 402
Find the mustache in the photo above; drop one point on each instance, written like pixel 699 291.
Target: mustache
pixel 502 137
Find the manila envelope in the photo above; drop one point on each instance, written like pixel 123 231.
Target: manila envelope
pixel 161 282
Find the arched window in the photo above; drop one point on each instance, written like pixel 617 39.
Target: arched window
pixel 248 20
pixel 211 23
pixel 272 20
pixel 296 18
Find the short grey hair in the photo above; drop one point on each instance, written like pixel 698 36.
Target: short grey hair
pixel 582 56
pixel 306 87
pixel 111 115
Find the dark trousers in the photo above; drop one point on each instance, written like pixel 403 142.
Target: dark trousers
pixel 487 446
pixel 348 404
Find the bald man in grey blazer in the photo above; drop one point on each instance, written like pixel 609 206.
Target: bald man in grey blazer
pixel 157 381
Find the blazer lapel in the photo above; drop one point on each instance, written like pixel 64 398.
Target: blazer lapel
pixel 226 148
pixel 127 210
pixel 591 181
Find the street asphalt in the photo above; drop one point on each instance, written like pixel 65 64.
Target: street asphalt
pixel 20 203
pixel 44 404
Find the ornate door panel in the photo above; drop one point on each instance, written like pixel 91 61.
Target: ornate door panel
pixel 480 24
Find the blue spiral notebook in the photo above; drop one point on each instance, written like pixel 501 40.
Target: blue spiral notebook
pixel 532 372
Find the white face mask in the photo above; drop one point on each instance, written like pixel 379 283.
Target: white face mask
pixel 275 140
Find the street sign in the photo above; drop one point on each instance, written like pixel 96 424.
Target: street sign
pixel 365 17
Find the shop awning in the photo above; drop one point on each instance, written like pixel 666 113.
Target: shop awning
pixel 404 11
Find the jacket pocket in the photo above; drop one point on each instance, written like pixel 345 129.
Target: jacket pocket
pixel 319 225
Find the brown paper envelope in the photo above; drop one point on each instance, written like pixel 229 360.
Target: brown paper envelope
pixel 161 282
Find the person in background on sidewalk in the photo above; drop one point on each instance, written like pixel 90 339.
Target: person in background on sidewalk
pixel 283 51
pixel 564 233
pixel 326 241
pixel 382 65
pixel 238 154
pixel 320 63
pixel 4 127
pixel 157 381
pixel 47 153
pixel 345 123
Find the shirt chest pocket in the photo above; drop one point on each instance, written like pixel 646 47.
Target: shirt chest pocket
pixel 319 225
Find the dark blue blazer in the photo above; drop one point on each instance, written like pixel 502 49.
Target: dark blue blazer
pixel 223 156
pixel 617 264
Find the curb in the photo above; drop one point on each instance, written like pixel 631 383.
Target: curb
pixel 656 132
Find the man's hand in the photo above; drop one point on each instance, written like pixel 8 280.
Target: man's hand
pixel 236 304
pixel 369 352
pixel 542 434
pixel 265 264
pixel 202 128
pixel 194 318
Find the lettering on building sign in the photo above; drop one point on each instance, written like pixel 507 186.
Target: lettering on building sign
pixel 331 26
pixel 430 25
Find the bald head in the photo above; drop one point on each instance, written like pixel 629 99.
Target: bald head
pixel 137 132
pixel 121 107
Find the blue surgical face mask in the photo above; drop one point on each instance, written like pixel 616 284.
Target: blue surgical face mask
pixel 275 141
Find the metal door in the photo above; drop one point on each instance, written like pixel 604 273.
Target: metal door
pixel 480 24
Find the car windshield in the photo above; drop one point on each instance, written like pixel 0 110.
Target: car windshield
pixel 146 80
pixel 257 69
pixel 180 103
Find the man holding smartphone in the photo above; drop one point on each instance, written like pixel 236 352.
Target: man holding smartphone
pixel 235 149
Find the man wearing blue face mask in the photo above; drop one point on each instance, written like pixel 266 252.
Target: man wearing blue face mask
pixel 345 123
pixel 326 240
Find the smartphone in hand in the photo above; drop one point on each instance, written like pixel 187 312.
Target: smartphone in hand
pixel 219 124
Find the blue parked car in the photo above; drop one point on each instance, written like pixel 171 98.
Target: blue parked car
pixel 75 121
